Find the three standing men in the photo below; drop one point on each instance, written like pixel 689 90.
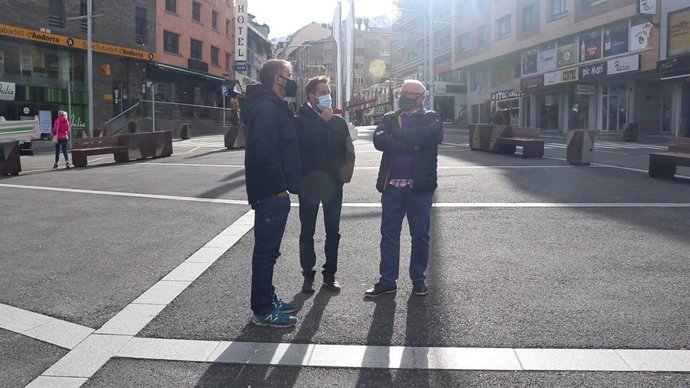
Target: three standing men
pixel 327 159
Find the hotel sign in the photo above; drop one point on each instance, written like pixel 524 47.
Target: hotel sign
pixel 241 35
pixel 67 41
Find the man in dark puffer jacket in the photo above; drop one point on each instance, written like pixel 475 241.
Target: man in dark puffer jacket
pixel 271 162
pixel 409 140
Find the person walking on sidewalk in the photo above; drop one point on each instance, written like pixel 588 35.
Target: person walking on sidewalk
pixel 272 166
pixel 327 161
pixel 409 140
pixel 61 130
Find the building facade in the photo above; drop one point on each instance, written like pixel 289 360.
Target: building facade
pixel 312 59
pixel 43 58
pixel 673 68
pixel 559 64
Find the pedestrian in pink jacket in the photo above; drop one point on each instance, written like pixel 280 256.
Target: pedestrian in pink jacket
pixel 61 129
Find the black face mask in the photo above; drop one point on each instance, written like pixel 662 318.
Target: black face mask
pixel 407 103
pixel 290 87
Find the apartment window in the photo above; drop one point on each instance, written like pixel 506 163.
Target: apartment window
pixel 83 24
pixel 171 6
pixel 227 28
pixel 529 17
pixel 196 11
pixel 359 51
pixel 586 4
pixel 195 51
pixel 214 20
pixel 171 42
pixel 464 42
pixel 56 15
pixel 227 62
pixel 503 27
pixel 483 35
pixel 215 53
pixel 557 8
pixel 140 26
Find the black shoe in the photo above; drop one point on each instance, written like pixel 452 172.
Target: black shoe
pixel 420 288
pixel 55 165
pixel 332 286
pixel 308 285
pixel 379 290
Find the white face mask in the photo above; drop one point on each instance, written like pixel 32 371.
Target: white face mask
pixel 325 101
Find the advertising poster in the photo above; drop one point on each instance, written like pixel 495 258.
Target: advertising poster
pixel 641 36
pixel 590 45
pixel 679 33
pixel 528 62
pixel 567 50
pixel 547 57
pixel 616 39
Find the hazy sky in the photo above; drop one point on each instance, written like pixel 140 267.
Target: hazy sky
pixel 285 17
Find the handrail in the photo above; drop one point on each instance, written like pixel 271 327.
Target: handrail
pixel 122 113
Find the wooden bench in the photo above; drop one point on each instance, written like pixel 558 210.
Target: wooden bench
pixel 663 164
pixel 82 147
pixel 527 138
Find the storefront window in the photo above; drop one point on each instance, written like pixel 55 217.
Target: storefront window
pixel 590 45
pixel 548 107
pixel 616 39
pixel 579 111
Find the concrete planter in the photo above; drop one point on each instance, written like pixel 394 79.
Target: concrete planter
pixel 148 144
pixel 9 158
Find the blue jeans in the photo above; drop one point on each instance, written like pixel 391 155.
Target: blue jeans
pixel 396 204
pixel 308 212
pixel 61 144
pixel 270 217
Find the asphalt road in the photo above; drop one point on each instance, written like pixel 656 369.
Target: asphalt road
pixel 526 254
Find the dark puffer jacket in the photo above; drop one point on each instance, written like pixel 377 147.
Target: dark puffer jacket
pixel 419 139
pixel 271 157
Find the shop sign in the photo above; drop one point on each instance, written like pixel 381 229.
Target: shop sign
pixel 646 7
pixel 593 71
pixel 505 95
pixel 672 64
pixel 623 65
pixel 531 82
pixel 66 41
pixel 641 36
pixel 585 90
pixel 241 35
pixel 7 91
pixel 679 33
pixel 561 76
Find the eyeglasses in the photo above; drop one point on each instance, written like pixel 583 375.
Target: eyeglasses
pixel 412 94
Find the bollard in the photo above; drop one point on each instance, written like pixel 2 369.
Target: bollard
pixel 186 131
pixel 580 147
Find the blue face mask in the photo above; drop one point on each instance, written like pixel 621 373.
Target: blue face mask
pixel 325 101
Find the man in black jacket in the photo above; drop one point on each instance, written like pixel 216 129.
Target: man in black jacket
pixel 327 161
pixel 271 164
pixel 409 140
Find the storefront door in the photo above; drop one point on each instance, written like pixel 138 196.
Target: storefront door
pixel 614 103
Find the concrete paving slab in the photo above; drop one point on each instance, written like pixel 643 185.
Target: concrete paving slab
pixel 571 359
pixel 656 360
pixel 131 319
pixel 88 357
pixel 22 358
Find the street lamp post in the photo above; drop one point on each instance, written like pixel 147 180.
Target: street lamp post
pixel 430 70
pixel 89 59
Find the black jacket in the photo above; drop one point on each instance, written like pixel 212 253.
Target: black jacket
pixel 325 147
pixel 271 158
pixel 424 133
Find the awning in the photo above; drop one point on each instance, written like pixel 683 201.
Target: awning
pixel 675 76
pixel 362 105
pixel 190 72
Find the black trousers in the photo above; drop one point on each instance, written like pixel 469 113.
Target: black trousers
pixel 308 211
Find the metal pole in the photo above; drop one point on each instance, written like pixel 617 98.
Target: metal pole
pixel 89 61
pixel 223 94
pixel 69 107
pixel 153 106
pixel 430 25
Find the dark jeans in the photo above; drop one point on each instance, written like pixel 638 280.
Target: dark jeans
pixel 270 217
pixel 396 204
pixel 62 143
pixel 308 211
